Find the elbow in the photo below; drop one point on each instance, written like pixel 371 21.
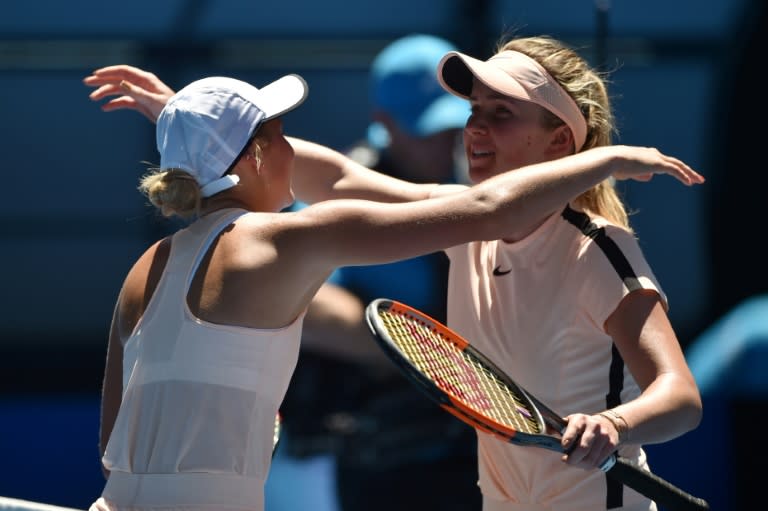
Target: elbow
pixel 694 411
pixel 689 410
pixel 498 216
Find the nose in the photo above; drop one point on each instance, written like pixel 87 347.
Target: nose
pixel 476 125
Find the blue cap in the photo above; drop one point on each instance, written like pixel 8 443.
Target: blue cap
pixel 404 84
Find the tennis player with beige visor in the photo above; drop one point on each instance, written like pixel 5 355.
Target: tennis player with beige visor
pixel 569 307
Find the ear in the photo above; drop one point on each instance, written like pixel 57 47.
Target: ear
pixel 561 141
pixel 248 161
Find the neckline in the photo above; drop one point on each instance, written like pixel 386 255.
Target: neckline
pixel 532 236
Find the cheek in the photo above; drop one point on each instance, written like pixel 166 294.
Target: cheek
pixel 289 157
pixel 518 151
pixel 284 159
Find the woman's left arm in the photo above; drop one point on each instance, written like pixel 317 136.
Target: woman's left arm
pixel 669 404
pixel 112 387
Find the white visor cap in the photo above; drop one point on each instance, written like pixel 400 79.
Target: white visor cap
pixel 205 126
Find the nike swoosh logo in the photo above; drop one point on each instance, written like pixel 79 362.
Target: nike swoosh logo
pixel 497 271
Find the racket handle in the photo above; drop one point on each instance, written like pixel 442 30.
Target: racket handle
pixel 654 487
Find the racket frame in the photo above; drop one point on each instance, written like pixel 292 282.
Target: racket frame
pixel 455 406
pixel 624 471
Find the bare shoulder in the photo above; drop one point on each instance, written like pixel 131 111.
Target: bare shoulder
pixel 255 240
pixel 148 268
pixel 140 284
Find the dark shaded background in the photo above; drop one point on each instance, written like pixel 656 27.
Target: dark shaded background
pixel 684 80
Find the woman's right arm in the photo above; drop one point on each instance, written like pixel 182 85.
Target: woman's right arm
pixel 344 233
pixel 320 173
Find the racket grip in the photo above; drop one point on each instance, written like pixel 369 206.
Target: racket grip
pixel 654 487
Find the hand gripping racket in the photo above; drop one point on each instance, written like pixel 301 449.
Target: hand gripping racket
pixel 469 386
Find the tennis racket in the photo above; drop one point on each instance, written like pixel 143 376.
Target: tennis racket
pixel 469 386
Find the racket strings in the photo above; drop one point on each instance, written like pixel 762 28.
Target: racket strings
pixel 458 373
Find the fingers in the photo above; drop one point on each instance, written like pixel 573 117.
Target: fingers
pixel 117 70
pixel 588 441
pixel 118 73
pixel 642 163
pixel 113 89
pixel 693 176
pixel 114 77
pixel 110 76
pixel 130 88
pixel 570 435
pixel 681 171
pixel 110 89
pixel 120 103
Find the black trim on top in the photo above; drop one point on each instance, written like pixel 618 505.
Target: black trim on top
pixel 607 245
pixel 614 497
pixel 614 490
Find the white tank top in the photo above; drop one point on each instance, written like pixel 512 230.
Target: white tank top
pixel 195 426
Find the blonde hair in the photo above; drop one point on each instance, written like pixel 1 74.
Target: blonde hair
pixel 176 191
pixel 172 191
pixel 588 88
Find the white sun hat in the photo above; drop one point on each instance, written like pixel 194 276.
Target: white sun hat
pixel 205 127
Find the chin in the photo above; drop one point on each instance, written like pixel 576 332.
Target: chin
pixel 477 175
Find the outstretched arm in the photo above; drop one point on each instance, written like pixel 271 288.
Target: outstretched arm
pixel 344 233
pixel 320 172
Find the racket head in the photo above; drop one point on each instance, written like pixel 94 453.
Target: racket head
pixel 455 375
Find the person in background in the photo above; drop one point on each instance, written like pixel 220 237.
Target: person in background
pixel 565 302
pixel 385 439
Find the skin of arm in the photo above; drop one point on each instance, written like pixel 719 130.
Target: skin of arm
pixel 320 173
pixel 335 325
pixel 134 296
pixel 314 241
pixel 112 388
pixel 669 404
pixel 372 233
